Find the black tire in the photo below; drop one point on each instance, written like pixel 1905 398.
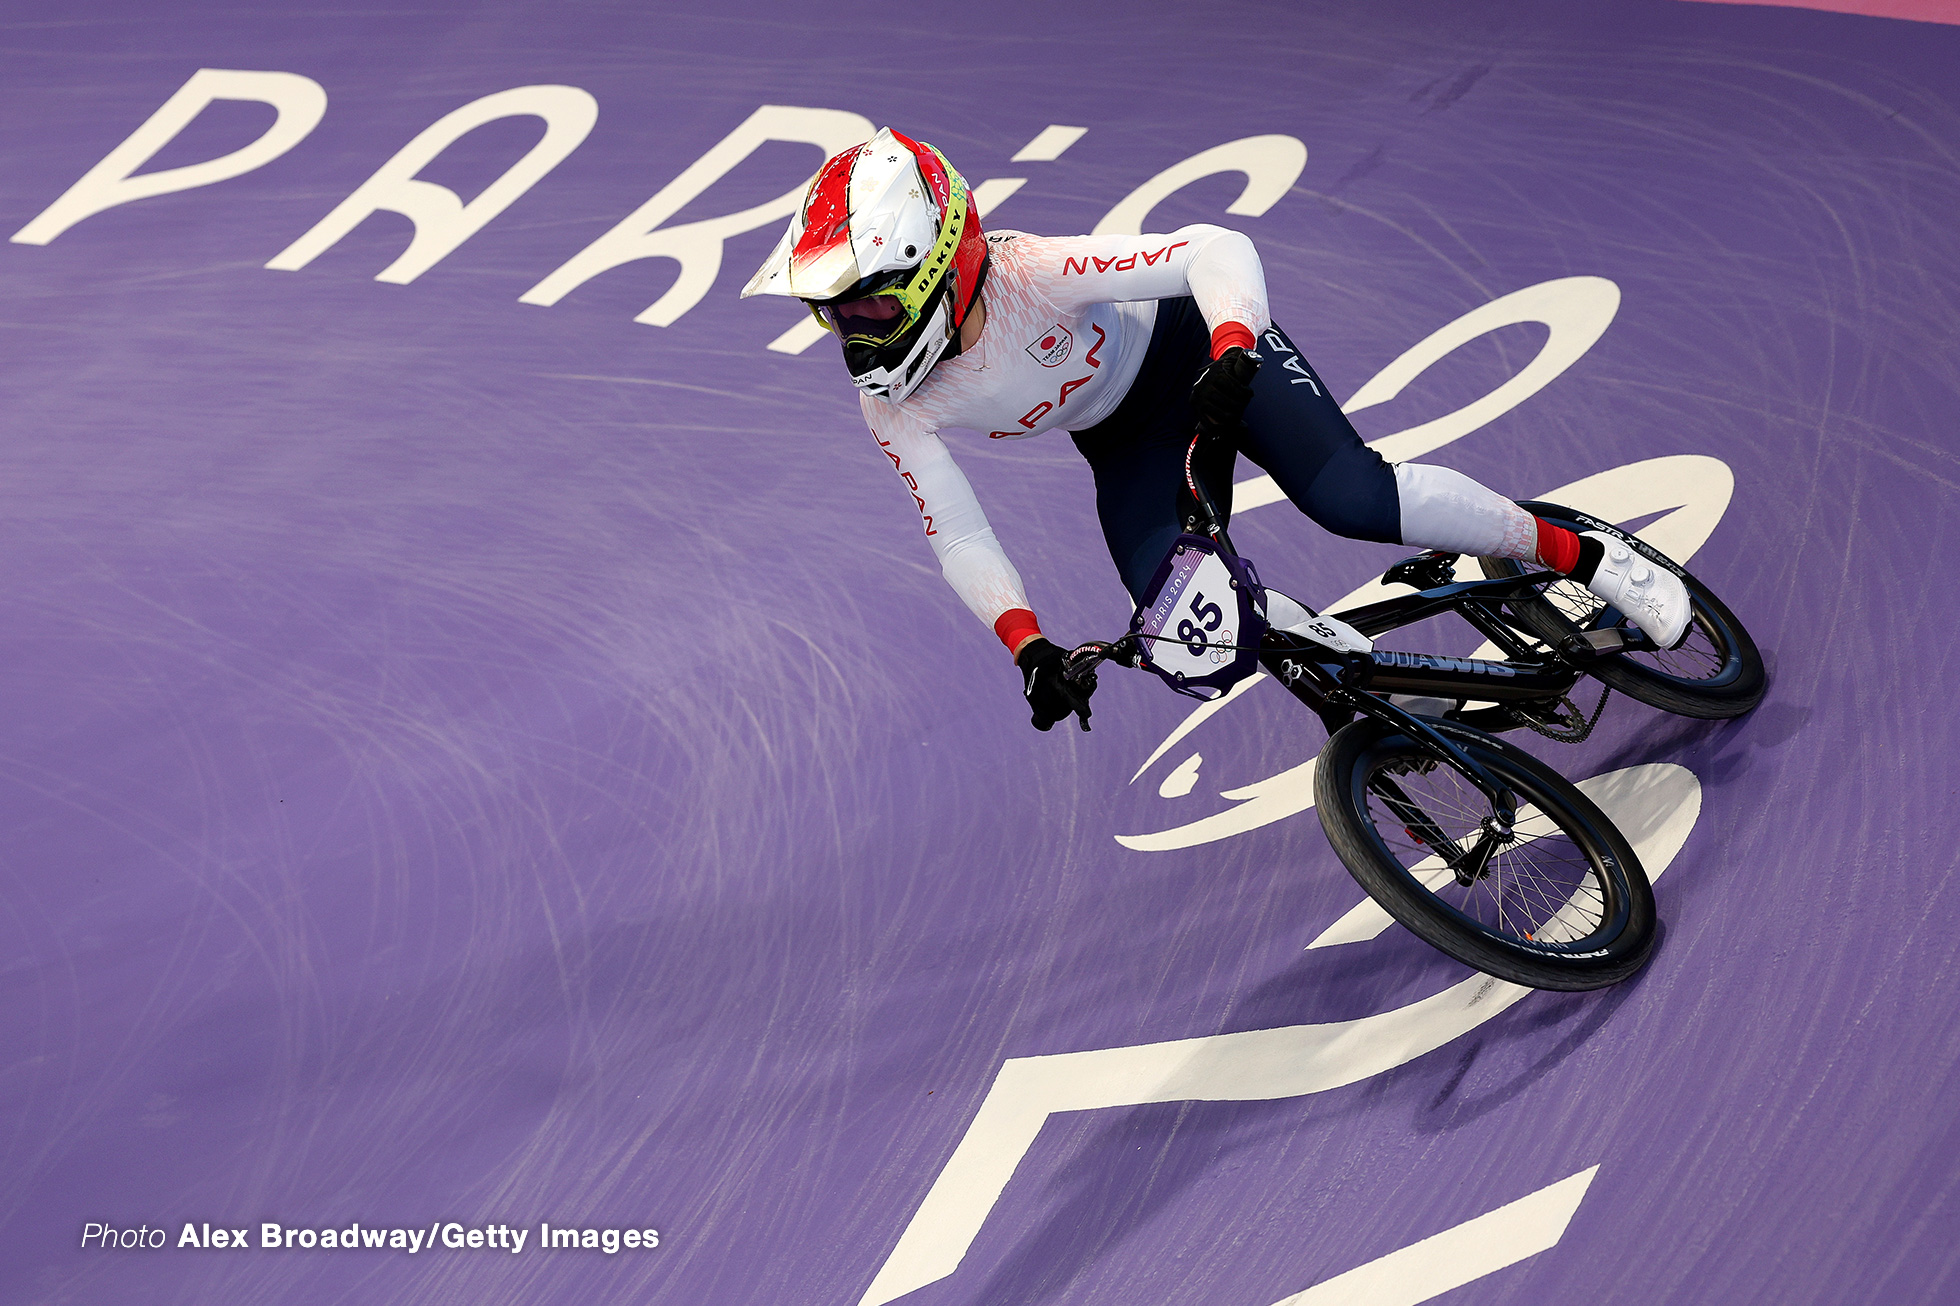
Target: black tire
pixel 1565 907
pixel 1717 672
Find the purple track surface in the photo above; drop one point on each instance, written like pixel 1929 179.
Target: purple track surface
pixel 467 760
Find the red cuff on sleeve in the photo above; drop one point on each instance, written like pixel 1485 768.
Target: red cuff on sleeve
pixel 1558 548
pixel 1015 627
pixel 1229 334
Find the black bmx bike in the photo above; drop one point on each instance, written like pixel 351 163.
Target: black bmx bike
pixel 1475 845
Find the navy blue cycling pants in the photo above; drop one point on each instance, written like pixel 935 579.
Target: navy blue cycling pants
pixel 1294 431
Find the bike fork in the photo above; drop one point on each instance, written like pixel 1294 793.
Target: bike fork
pixel 1504 808
pixel 1468 867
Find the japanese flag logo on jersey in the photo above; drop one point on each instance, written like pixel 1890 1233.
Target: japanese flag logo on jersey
pixel 1053 347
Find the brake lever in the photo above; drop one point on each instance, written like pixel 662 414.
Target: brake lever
pixel 1079 666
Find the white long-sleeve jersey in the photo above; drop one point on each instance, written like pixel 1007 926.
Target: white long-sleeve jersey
pixel 1068 321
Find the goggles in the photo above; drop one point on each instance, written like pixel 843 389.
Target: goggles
pixel 873 320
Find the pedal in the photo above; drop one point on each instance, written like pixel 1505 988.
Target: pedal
pixel 1598 643
pixel 1426 571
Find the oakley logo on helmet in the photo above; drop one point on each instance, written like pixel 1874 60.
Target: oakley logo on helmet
pixel 1053 348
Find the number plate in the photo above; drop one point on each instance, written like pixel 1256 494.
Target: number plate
pixel 1201 618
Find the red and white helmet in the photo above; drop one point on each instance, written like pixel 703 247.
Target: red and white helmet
pixel 887 252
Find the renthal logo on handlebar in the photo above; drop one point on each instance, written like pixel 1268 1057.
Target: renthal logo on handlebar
pixel 1430 662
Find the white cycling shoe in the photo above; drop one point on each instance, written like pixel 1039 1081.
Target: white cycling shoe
pixel 1653 598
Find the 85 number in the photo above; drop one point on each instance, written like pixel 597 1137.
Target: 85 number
pixel 1191 633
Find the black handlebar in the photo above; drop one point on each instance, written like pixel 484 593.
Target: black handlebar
pixel 1080 663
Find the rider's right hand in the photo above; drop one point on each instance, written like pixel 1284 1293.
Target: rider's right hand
pixel 1051 696
pixel 1223 390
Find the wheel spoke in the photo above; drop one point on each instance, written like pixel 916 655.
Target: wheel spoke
pixel 1541 885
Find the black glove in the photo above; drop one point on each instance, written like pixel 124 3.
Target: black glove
pixel 1051 695
pixel 1223 390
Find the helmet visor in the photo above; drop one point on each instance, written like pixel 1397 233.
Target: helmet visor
pixel 873 320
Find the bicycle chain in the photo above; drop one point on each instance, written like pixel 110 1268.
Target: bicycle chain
pixel 1567 734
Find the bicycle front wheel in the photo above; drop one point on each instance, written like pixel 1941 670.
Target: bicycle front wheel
pixel 1559 903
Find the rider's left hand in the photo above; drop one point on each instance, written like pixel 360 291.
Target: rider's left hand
pixel 1223 391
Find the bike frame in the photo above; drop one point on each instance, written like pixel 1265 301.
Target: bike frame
pixel 1339 685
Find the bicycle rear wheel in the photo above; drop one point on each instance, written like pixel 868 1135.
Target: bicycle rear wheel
pixel 1561 904
pixel 1717 671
